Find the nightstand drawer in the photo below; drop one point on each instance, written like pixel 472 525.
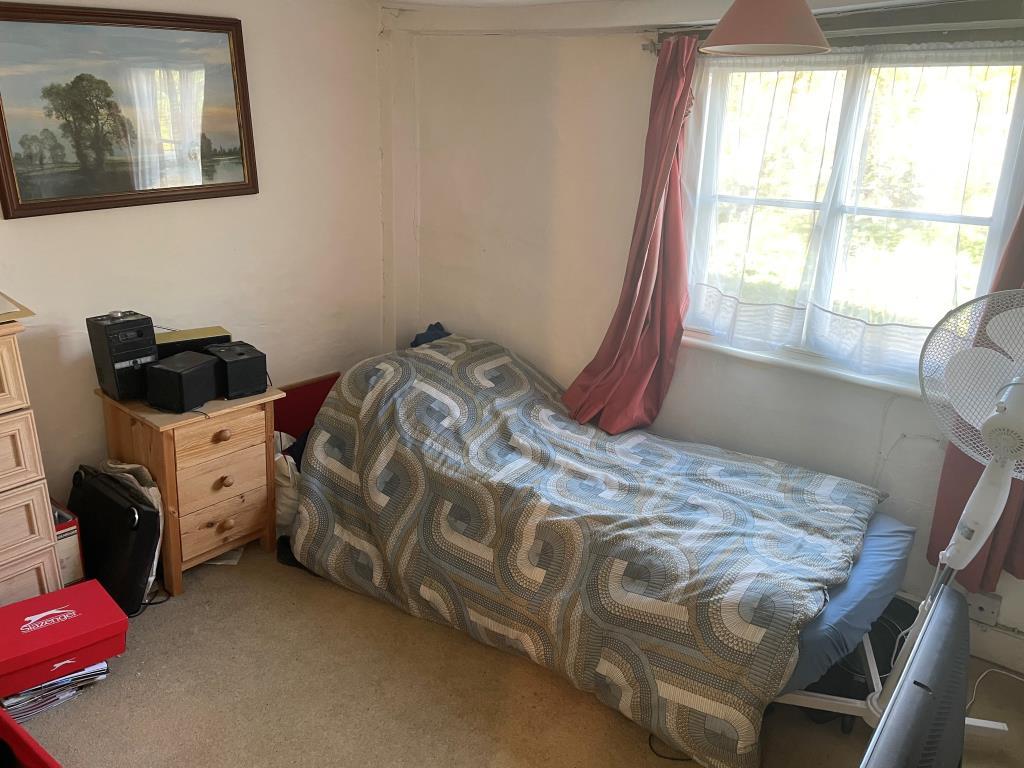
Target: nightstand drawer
pixel 210 439
pixel 25 521
pixel 13 392
pixel 223 523
pixel 206 484
pixel 20 461
pixel 32 575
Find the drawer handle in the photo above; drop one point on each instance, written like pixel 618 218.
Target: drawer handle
pixel 227 525
pixel 227 481
pixel 222 436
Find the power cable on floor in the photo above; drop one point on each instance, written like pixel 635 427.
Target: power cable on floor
pixel 650 743
pixel 983 675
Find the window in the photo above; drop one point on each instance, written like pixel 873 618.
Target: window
pixel 842 204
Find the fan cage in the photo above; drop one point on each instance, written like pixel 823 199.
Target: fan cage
pixel 960 330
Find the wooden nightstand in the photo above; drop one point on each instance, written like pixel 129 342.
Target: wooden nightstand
pixel 215 471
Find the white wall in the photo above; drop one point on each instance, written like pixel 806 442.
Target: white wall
pixel 530 151
pixel 295 270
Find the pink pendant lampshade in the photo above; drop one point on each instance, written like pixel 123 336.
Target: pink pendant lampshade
pixel 766 27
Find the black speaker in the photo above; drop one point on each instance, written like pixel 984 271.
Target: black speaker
pixel 241 369
pixel 182 382
pixel 122 345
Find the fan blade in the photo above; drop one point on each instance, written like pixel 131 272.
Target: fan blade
pixel 973 379
pixel 1007 330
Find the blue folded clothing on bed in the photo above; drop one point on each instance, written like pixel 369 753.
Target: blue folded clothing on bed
pixel 854 606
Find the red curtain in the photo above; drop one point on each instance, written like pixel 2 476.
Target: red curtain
pixel 625 384
pixel 1005 550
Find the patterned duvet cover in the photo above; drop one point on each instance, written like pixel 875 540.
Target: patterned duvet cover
pixel 670 579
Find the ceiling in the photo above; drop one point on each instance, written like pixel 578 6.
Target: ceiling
pixel 479 3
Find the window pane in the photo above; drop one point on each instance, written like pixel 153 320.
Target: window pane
pixel 935 138
pixel 779 133
pixel 760 253
pixel 900 271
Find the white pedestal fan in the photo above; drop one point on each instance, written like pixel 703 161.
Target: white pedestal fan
pixel 972 377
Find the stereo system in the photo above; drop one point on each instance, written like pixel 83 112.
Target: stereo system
pixel 177 371
pixel 122 345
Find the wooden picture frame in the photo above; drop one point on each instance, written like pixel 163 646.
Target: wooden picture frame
pixel 10 309
pixel 151 159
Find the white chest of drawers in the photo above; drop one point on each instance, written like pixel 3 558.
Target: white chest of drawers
pixel 28 557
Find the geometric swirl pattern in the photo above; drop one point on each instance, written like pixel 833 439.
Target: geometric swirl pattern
pixel 669 579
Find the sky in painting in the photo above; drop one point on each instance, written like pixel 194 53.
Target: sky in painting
pixel 34 54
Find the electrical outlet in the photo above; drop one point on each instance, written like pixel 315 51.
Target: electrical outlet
pixel 984 607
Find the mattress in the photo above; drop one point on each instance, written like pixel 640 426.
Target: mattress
pixel 854 606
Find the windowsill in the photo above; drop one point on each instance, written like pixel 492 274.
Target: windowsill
pixel 697 340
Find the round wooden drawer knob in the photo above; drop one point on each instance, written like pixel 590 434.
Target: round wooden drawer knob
pixel 227 481
pixel 222 436
pixel 227 525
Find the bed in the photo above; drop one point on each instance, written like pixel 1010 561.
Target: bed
pixel 684 585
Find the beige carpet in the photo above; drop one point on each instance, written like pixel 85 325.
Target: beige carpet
pixel 262 665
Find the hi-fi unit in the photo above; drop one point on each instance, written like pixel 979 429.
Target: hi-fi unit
pixel 122 345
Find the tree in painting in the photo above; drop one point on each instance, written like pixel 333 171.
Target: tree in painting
pixel 31 149
pixel 54 149
pixel 206 148
pixel 37 148
pixel 90 119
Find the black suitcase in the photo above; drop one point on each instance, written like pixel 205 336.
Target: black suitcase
pixel 120 533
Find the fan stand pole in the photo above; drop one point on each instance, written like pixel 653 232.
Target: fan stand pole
pixel 878 700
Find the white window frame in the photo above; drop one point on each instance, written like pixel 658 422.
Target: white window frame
pixel 701 157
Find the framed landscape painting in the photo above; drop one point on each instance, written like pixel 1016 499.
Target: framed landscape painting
pixel 103 109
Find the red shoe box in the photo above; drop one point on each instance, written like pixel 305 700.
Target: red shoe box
pixel 52 635
pixel 27 752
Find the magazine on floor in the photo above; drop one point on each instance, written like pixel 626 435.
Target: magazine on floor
pixel 27 704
